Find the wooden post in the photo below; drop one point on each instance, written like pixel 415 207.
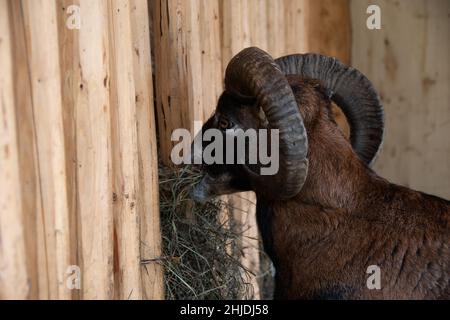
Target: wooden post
pixel 40 19
pixel 316 26
pixel 235 29
pixel 13 271
pixel 296 28
pixel 241 28
pixel 328 28
pixel 276 42
pixel 126 162
pixel 92 112
pixel 187 60
pixel 28 159
pixel 205 58
pixel 148 196
pixel 171 58
pixel 70 80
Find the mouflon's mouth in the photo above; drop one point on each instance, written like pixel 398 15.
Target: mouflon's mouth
pixel 202 191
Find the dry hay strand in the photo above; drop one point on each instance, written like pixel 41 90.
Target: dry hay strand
pixel 201 253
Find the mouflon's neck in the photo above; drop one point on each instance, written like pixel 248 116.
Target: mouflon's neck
pixel 337 178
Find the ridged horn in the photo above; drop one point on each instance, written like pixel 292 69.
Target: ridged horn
pixel 253 73
pixel 351 91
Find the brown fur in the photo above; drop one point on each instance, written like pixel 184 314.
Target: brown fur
pixel 347 218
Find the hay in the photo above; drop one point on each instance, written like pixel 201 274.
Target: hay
pixel 201 252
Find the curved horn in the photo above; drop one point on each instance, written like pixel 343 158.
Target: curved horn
pixel 253 73
pixel 354 94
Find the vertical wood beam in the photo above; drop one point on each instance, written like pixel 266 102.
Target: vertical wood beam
pixel 148 196
pixel 13 271
pixel 94 151
pixel 187 57
pixel 41 26
pixel 125 156
pixel 28 159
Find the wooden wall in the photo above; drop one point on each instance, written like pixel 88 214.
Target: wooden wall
pixel 78 152
pixel 195 40
pixel 408 62
pixel 78 146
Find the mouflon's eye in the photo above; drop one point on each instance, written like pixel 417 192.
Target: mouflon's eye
pixel 224 123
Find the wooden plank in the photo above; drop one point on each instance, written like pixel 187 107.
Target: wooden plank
pixel 316 26
pixel 235 29
pixel 187 57
pixel 412 76
pixel 125 155
pixel 209 57
pixel 329 28
pixel 258 23
pixel 276 45
pixel 433 114
pixel 172 103
pixel 40 19
pixel 71 79
pixel 29 173
pixel 240 30
pixel 148 196
pixel 13 271
pixel 93 155
pixel 296 27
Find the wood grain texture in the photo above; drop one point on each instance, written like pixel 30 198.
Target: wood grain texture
pixel 296 26
pixel 70 79
pixel 125 155
pixel 329 28
pixel 148 196
pixel 81 151
pixel 187 56
pixel 407 61
pixel 240 30
pixel 276 42
pixel 28 159
pixel 92 114
pixel 41 27
pixel 14 282
pixel 172 106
